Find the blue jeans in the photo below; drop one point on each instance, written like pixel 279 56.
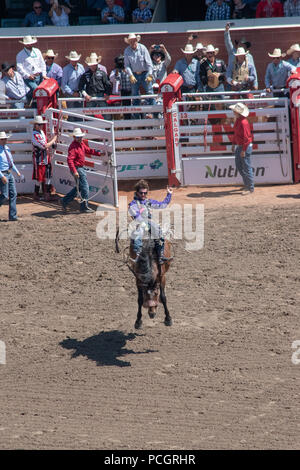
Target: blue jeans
pixel 135 90
pixel 243 165
pixel 33 84
pixel 8 191
pixel 83 189
pixel 139 234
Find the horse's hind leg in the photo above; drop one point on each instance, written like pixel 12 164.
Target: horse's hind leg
pixel 168 319
pixel 138 322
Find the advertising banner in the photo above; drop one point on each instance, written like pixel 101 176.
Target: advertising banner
pixel 142 165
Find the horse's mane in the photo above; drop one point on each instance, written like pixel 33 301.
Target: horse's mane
pixel 143 269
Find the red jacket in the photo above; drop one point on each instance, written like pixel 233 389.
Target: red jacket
pixel 76 154
pixel 266 10
pixel 242 133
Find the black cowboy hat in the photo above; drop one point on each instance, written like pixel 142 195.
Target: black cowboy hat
pixel 243 41
pixel 158 52
pixel 6 66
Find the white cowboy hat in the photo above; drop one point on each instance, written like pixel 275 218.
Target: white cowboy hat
pixel 94 55
pixel 73 56
pixel 293 48
pixel 38 120
pixel 27 40
pixel 92 60
pixel 240 108
pixel 50 53
pixel 277 53
pixel 3 135
pixel 199 46
pixel 77 132
pixel 132 36
pixel 211 48
pixel 188 49
pixel 241 51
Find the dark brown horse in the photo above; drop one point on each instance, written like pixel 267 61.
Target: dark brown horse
pixel 150 280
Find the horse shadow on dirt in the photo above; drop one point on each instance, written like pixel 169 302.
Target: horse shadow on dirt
pixel 105 348
pixel 215 194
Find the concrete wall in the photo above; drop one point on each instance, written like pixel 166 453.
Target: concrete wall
pixel 264 35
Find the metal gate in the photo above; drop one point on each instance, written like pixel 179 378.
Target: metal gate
pixel 203 141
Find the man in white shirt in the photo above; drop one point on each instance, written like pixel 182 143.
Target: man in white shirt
pixel 31 64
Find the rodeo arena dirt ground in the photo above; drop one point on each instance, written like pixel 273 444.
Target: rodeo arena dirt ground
pixel 224 376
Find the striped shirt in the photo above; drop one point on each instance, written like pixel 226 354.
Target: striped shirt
pixel 142 16
pixel 291 8
pixel 217 12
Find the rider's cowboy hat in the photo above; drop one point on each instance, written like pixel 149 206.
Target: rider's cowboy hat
pixel 3 135
pixel 6 66
pixel 73 56
pixel 27 40
pixel 38 120
pixel 241 51
pixel 211 48
pixel 77 132
pixel 293 48
pixel 188 49
pixel 50 53
pixel 92 60
pixel 277 53
pixel 240 108
pixel 132 36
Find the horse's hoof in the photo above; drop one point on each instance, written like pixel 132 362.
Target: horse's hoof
pixel 169 322
pixel 152 314
pixel 138 325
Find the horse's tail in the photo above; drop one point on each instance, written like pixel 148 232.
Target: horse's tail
pixel 117 241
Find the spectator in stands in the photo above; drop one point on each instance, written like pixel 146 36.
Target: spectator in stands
pixel 142 14
pixel 218 10
pixel 42 168
pixel 231 50
pixel 240 73
pixel 241 10
pixel 161 60
pixel 8 190
pixel 59 13
pixel 277 73
pixel 112 14
pixel 212 73
pixel 269 9
pixel 15 87
pixel 53 70
pixel 37 17
pixel 291 8
pixel 294 52
pixel 120 82
pixel 94 83
pixel 138 65
pixel 189 68
pixel 30 63
pixel 71 76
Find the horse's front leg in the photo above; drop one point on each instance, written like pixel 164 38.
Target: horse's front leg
pixel 163 298
pixel 138 322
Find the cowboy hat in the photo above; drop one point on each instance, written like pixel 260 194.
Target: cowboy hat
pixel 73 56
pixel 6 66
pixel 199 46
pixel 92 60
pixel 77 132
pixel 211 48
pixel 188 49
pixel 3 135
pixel 27 40
pixel 293 48
pixel 50 53
pixel 240 51
pixel 38 120
pixel 240 108
pixel 94 55
pixel 132 36
pixel 277 53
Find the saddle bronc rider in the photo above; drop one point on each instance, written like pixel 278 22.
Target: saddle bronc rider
pixel 140 210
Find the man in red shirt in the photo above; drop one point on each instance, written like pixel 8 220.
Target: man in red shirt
pixel 76 159
pixel 269 9
pixel 243 138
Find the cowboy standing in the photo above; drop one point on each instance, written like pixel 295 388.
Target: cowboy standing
pixel 242 139
pixel 93 83
pixel 70 78
pixel 277 73
pixel 31 64
pixel 15 87
pixel 42 168
pixel 189 68
pixel 138 65
pixel 294 52
pixel 76 159
pixel 140 210
pixel 7 182
pixel 52 68
pixel 241 73
pixel 161 60
pixel 212 71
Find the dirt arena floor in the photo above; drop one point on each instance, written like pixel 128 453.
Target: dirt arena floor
pixel 79 376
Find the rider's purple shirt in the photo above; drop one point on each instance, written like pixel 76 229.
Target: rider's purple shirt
pixel 135 209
